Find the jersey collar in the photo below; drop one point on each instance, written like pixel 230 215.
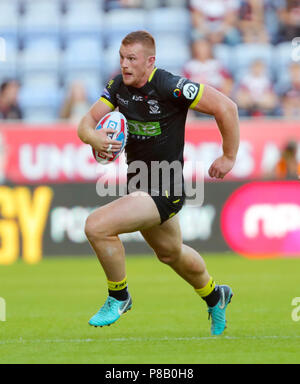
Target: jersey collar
pixel 152 74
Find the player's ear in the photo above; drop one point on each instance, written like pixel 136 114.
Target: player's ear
pixel 151 60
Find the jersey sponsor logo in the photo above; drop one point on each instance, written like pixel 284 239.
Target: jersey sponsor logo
pixel 180 82
pixel 137 98
pixel 106 94
pixel 177 92
pixel 190 91
pixel 122 101
pixel 110 83
pixel 154 107
pixel 141 128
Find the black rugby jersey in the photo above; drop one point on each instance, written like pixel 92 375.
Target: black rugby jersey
pixel 156 114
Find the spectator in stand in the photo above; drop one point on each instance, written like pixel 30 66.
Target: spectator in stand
pixel 116 4
pixel 289 90
pixel 204 68
pixel 255 94
pixel 288 166
pixel 216 20
pixel 9 107
pixel 289 16
pixel 271 20
pixel 76 103
pixel 291 105
pixel 251 22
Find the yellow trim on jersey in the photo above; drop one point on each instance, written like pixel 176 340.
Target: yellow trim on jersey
pixel 108 103
pixel 152 74
pixel 198 97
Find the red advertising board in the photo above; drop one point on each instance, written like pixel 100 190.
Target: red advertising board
pixel 54 154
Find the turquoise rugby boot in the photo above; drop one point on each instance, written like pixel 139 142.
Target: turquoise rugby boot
pixel 217 313
pixel 110 312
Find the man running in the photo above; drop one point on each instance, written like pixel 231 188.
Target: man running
pixel 155 104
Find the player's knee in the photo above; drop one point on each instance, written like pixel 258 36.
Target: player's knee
pixel 94 229
pixel 169 253
pixel 90 229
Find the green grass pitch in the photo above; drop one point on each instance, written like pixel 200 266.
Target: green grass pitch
pixel 49 305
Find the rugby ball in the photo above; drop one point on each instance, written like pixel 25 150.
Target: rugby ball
pixel 116 121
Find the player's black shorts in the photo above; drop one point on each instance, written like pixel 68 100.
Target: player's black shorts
pixel 168 201
pixel 168 206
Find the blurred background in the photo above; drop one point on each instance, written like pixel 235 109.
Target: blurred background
pixel 57 55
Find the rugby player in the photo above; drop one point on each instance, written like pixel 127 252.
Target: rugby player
pixel 155 103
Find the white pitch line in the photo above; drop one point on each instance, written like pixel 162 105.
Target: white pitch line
pixel 145 339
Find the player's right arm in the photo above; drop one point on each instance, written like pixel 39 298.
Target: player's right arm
pixel 98 139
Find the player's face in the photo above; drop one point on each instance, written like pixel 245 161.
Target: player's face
pixel 135 64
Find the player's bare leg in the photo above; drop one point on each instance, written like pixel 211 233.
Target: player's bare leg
pixel 166 241
pixel 127 214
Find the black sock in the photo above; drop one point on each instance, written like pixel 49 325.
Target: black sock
pixel 120 295
pixel 213 298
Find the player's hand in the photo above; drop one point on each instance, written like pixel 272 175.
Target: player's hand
pixel 103 144
pixel 220 167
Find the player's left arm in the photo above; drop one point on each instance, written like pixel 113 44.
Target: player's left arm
pixel 225 111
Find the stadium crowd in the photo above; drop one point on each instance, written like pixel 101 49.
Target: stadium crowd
pixel 260 89
pixel 241 47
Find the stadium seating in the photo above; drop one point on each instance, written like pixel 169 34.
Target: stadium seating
pixel 9 18
pixel 167 48
pixel 82 18
pixel 244 54
pixel 172 20
pixel 175 3
pixel 8 68
pixel 51 43
pixel 40 54
pixel 224 53
pixel 119 22
pixel 93 82
pixel 42 79
pixel 282 57
pixel 40 18
pixel 111 58
pixel 40 103
pixel 84 53
pixel 73 4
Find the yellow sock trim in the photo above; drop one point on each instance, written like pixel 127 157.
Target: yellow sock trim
pixel 117 285
pixel 205 291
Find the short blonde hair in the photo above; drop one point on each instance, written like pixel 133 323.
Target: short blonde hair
pixel 142 37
